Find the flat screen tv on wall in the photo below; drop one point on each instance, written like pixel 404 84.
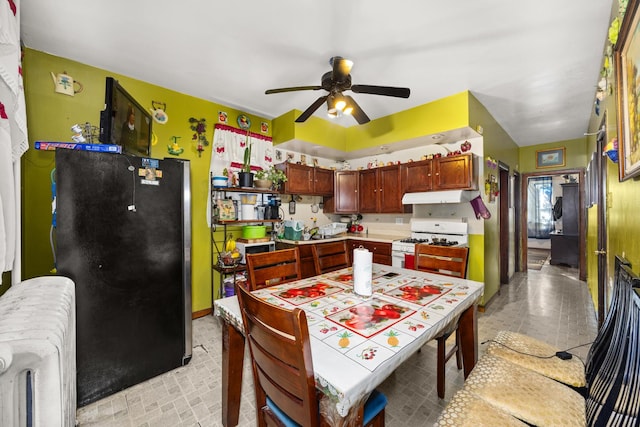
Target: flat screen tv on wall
pixel 124 121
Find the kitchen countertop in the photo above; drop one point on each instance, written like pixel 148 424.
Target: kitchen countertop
pixel 386 238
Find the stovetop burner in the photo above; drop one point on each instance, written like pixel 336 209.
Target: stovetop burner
pixel 445 243
pixel 438 242
pixel 414 240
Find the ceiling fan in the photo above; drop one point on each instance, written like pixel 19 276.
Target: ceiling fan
pixel 337 81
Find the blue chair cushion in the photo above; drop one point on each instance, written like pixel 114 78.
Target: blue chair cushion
pixel 376 403
pixel 278 412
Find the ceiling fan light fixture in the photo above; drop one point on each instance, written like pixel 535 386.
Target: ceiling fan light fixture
pixel 335 82
pixel 335 105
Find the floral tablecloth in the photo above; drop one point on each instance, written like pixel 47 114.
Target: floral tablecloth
pixel 357 342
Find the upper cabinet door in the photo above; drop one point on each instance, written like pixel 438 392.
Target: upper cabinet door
pixel 454 173
pixel 346 192
pixel 368 191
pixel 323 181
pixel 299 179
pixel 417 176
pixel 390 190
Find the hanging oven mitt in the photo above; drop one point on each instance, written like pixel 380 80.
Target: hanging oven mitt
pixel 479 208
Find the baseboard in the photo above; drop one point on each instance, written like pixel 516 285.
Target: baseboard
pixel 201 313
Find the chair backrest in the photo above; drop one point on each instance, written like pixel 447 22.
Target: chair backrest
pixel 281 359
pixel 330 256
pixel 446 260
pixel 269 268
pixel 613 364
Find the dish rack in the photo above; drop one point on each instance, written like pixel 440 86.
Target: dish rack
pixel 332 229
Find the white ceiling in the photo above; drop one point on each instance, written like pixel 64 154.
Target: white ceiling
pixel 533 64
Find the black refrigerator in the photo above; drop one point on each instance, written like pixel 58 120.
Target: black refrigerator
pixel 123 235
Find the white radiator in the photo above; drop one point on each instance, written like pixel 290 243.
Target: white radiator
pixel 38 353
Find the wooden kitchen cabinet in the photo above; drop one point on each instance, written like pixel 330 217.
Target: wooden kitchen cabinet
pixel 381 250
pixel 416 176
pixel 440 173
pixel 323 181
pixel 381 191
pixel 307 180
pixel 345 193
pixel 454 173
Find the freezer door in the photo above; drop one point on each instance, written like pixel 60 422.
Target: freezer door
pixel 123 236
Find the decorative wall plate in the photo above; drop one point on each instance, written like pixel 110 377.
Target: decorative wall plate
pixel 244 122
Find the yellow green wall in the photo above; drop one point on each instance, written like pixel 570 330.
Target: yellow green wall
pixel 50 116
pixel 499 146
pixel 576 155
pixel 438 116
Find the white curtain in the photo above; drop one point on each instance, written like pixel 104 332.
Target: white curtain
pixel 228 152
pixel 13 130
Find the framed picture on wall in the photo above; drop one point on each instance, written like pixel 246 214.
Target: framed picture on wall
pixel 550 158
pixel 627 63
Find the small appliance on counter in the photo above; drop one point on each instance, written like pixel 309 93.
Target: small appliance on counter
pixel 354 225
pixel 272 209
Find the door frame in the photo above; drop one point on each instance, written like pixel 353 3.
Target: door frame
pixel 517 211
pixel 503 215
pixel 601 201
pixel 582 271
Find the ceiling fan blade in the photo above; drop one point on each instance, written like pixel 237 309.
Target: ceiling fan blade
pixel 309 111
pixel 291 89
pixel 399 92
pixel 357 112
pixel 341 68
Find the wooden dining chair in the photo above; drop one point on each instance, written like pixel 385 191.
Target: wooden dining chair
pixel 269 268
pixel 283 367
pixel 330 256
pixel 448 261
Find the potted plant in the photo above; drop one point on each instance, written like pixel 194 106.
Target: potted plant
pixel 245 176
pixel 269 178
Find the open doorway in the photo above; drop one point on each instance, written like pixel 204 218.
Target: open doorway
pixel 552 220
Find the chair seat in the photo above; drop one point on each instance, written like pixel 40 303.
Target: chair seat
pixel 525 394
pixel 377 402
pixel 511 346
pixel 465 409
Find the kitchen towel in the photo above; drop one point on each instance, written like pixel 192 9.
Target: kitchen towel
pixel 362 271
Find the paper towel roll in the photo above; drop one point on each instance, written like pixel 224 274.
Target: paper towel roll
pixel 362 271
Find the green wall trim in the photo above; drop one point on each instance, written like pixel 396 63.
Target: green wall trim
pixel 434 117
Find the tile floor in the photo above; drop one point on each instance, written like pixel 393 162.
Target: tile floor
pixel 551 304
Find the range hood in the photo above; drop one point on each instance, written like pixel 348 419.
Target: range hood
pixel 439 197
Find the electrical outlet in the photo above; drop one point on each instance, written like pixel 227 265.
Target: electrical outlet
pixel 399 221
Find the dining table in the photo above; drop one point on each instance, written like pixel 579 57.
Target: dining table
pixel 357 341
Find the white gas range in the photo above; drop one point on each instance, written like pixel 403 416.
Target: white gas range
pixel 431 231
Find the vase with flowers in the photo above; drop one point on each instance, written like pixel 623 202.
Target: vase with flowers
pixel 269 178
